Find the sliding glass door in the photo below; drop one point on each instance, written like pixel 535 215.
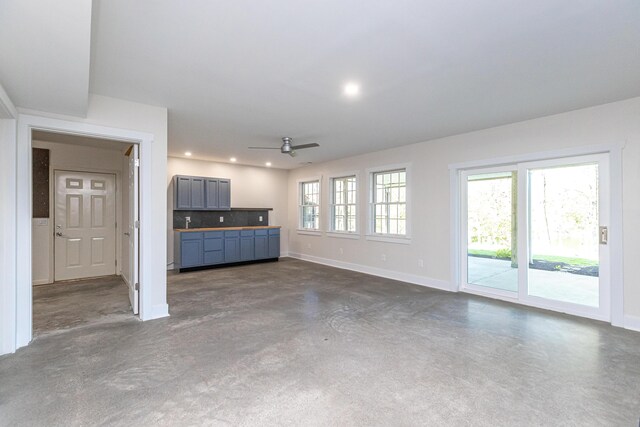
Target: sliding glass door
pixel 536 233
pixel 491 230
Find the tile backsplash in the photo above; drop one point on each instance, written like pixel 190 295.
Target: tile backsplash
pixel 209 219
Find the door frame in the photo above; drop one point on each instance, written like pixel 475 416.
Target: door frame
pixel 615 221
pixel 118 215
pixel 26 124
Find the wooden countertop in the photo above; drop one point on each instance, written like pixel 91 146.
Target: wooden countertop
pixel 226 228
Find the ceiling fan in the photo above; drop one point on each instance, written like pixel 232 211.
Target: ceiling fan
pixel 287 148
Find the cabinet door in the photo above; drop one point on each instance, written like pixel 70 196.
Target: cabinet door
pixel 231 246
pixel 246 249
pixel 261 245
pixel 211 187
pixel 197 193
pixel 191 253
pixel 224 194
pixel 182 189
pixel 274 243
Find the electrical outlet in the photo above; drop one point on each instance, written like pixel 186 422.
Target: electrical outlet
pixel 260 218
pixel 221 219
pixel 383 257
pixel 341 251
pixel 421 263
pixel 188 218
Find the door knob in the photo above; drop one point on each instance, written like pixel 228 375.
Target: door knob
pixel 59 234
pixel 126 233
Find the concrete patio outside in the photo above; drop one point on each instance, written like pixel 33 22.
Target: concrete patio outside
pixel 554 285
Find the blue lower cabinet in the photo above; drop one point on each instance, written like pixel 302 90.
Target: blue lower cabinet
pixel 213 257
pixel 191 250
pixel 261 244
pixel 274 242
pixel 247 251
pixel 196 249
pixel 213 247
pixel 231 246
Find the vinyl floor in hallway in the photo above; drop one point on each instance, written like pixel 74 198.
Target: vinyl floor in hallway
pixel 295 343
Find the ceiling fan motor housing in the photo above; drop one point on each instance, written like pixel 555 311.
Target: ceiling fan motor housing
pixel 286 145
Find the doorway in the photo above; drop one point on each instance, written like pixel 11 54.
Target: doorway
pixel 537 233
pixel 88 250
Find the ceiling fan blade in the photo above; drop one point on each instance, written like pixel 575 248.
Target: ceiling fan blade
pixel 264 148
pixel 299 147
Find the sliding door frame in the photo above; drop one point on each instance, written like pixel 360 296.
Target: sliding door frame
pixel 614 151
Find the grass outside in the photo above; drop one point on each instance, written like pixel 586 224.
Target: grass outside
pixel 582 262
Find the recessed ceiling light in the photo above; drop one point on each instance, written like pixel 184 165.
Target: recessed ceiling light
pixel 268 164
pixel 352 89
pixel 233 159
pixel 187 153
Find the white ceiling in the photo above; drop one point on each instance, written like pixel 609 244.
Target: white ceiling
pixel 237 73
pixel 45 54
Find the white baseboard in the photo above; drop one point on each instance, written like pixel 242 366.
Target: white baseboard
pixel 632 322
pixel 374 271
pixel 158 311
pixel 41 282
pixel 124 279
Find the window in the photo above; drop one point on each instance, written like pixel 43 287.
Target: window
pixel 343 204
pixel 389 197
pixel 310 205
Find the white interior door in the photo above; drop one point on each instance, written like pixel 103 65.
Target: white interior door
pixel 134 230
pixel 85 225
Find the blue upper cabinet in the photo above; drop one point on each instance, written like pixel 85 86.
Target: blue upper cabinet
pixel 224 194
pixel 198 193
pixel 182 190
pixel 212 193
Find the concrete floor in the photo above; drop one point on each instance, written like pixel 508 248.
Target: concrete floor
pixel 294 343
pixel 65 305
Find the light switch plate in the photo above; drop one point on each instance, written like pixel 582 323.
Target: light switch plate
pixel 221 219
pixel 42 222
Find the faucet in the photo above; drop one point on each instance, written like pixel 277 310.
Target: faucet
pixel 187 222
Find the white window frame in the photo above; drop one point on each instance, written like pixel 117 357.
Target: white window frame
pixel 331 232
pixel 301 229
pixel 390 238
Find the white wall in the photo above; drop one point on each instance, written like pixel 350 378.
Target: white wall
pixel 430 193
pixel 75 158
pixel 7 235
pixel 251 187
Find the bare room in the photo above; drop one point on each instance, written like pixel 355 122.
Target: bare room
pixel 320 213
